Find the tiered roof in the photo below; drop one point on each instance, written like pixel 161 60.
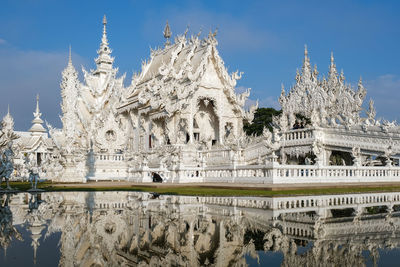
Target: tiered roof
pixel 175 72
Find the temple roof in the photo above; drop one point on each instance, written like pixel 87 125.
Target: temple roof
pixel 176 72
pixel 179 55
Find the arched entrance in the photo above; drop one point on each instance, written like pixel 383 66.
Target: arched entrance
pixel 206 123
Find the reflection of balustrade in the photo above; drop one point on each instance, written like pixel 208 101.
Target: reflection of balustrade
pixel 336 201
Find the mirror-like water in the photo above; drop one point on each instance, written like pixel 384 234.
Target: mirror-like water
pixel 131 228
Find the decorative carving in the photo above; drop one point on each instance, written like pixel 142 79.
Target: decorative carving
pixel 325 100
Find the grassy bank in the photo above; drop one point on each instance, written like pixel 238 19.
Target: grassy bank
pixel 208 190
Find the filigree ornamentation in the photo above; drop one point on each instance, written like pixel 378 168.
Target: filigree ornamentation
pixel 324 101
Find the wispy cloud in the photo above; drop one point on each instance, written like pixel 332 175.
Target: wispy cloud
pixel 384 90
pixel 2 41
pixel 234 33
pixel 24 74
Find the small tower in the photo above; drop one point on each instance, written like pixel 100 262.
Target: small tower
pixel 36 229
pixel 37 127
pixel 8 122
pixel 167 34
pixel 306 69
pixel 69 92
pixel 104 61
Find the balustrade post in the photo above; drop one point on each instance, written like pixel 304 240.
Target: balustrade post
pixel 275 167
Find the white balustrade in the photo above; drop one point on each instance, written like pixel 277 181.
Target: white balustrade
pixel 110 157
pixel 290 174
pixel 298 134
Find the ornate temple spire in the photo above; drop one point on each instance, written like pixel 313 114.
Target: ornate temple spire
pixel 70 67
pixel 104 38
pixel 167 34
pixel 341 77
pixel 306 70
pixel 104 61
pixel 315 72
pixel 332 76
pixel 70 56
pixel 8 121
pixel 362 92
pixel 69 85
pixel 37 111
pixel 35 245
pixel 37 127
pixel 282 97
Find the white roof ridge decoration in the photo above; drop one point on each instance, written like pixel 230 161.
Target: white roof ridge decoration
pixel 181 63
pixel 327 101
pixel 167 33
pixel 8 120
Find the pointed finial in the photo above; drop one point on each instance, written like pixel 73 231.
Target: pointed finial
pixel 35 247
pixel 198 35
pixel 37 126
pixel 37 104
pixel 104 38
pixel 186 31
pixel 167 32
pixel 305 51
pixel 8 109
pixel 332 58
pixel 215 32
pixel 70 56
pixel 104 20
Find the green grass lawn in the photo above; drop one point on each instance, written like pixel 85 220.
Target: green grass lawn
pixel 208 191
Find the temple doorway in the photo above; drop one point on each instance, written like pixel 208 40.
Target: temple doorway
pixel 39 158
pixel 206 123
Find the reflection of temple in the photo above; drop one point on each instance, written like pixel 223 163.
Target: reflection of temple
pixel 130 229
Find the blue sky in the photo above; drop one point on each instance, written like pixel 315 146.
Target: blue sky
pixel 264 39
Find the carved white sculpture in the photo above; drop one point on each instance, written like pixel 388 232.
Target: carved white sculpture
pixel 7 136
pixel 33 170
pixel 323 100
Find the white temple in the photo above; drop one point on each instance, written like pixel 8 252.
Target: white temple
pixel 181 120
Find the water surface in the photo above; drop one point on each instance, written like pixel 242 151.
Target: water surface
pixel 141 229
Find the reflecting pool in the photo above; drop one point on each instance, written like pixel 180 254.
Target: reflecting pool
pixel 140 229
